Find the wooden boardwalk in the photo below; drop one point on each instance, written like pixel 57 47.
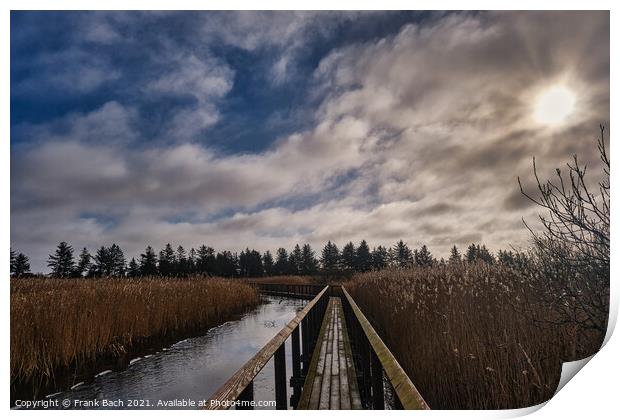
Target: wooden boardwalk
pixel 331 383
pixel 329 328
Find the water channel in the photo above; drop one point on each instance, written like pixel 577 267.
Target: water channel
pixel 192 369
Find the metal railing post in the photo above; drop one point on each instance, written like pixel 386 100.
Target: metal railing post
pixel 279 361
pixel 305 345
pixel 246 396
pixel 296 379
pixel 378 402
pixel 366 372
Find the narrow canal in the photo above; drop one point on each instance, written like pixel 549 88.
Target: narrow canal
pixel 193 369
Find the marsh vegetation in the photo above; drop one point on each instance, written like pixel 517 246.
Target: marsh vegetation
pixel 60 327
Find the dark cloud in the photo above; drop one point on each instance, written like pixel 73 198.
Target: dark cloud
pixel 468 238
pixel 438 209
pixel 515 201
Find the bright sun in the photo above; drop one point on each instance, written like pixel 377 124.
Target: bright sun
pixel 554 105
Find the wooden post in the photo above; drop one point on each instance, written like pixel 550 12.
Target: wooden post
pixel 305 344
pixel 365 361
pixel 279 360
pixel 313 323
pixel 296 379
pixel 296 356
pixel 378 402
pixel 246 395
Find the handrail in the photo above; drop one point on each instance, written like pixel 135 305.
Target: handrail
pixel 406 392
pixel 282 289
pixel 237 384
pixel 258 283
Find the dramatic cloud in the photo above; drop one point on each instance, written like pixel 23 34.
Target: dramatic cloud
pixel 285 32
pixel 204 80
pixel 418 133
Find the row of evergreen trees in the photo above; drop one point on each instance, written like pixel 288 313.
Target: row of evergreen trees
pixel 302 260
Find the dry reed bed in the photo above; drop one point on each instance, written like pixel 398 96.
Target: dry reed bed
pixel 56 324
pixel 464 334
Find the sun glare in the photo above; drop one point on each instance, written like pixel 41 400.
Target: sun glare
pixel 554 105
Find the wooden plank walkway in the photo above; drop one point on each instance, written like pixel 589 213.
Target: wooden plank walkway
pixel 331 383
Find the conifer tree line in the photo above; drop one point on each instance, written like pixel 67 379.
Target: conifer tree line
pixel 110 261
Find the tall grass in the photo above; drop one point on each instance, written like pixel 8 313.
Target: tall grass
pixel 467 334
pixel 59 324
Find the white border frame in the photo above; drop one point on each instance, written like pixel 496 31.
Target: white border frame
pixel 593 394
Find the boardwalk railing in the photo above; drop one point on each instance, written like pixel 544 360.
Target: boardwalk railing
pixel 238 391
pixel 290 290
pixel 373 359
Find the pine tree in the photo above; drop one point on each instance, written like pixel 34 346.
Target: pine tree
pixel 520 260
pixel 254 264
pixel 380 258
pixel 84 263
pixel 330 258
pixel 235 265
pixel 226 264
pixel 167 261
pixel 117 261
pixel 401 255
pixel 191 261
pixel 103 265
pixel 511 259
pixel 148 262
pixel 281 267
pixel 133 269
pixel 244 263
pixel 485 255
pixel 61 262
pixel 181 264
pixel 205 260
pixel 504 257
pixel 455 256
pixel 479 253
pixel 109 262
pixel 13 255
pixel 363 258
pixel 423 257
pixel 21 266
pixel 347 257
pixel 309 263
pixel 295 261
pixel 268 263
pixel 472 253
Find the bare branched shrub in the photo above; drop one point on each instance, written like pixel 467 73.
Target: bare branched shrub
pixel 570 268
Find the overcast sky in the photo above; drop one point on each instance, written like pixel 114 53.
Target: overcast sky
pixel 264 130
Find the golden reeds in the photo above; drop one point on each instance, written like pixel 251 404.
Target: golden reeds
pixel 57 323
pixel 466 334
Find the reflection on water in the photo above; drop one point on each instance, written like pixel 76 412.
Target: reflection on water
pixel 195 368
